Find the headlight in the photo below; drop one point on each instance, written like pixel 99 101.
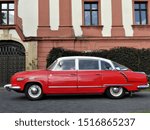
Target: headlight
pixel 20 79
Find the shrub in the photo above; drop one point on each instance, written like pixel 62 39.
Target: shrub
pixel 60 52
pixel 144 60
pixel 135 59
pixel 126 56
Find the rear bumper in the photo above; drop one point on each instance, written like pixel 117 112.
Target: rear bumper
pixel 143 86
pixel 9 87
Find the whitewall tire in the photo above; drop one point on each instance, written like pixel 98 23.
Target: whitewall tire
pixel 115 92
pixel 33 92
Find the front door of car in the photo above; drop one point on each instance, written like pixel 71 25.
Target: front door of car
pixel 89 76
pixel 63 79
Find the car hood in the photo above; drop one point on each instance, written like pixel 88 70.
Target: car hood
pixel 33 72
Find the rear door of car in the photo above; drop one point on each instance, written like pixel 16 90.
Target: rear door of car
pixel 89 76
pixel 111 76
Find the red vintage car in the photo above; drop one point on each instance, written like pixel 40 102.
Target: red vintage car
pixel 79 75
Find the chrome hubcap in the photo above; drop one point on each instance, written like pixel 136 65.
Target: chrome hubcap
pixel 116 91
pixel 35 91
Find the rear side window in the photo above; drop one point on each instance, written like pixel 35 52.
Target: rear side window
pixel 88 64
pixel 105 66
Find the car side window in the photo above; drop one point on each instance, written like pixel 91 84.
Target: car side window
pixel 105 66
pixel 66 65
pixel 88 64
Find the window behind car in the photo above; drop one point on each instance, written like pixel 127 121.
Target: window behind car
pixel 6 13
pixel 86 64
pixel 141 13
pixel 91 13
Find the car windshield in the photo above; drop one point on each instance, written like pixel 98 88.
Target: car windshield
pixel 119 66
pixel 52 65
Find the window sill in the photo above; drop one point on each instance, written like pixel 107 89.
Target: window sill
pixel 141 30
pixel 7 26
pixel 92 31
pixel 141 26
pixel 92 26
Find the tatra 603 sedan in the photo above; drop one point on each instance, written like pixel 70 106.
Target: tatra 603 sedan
pixel 79 75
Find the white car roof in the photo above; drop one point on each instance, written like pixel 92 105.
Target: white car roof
pixel 83 57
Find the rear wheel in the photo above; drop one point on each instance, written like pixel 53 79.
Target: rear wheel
pixel 33 92
pixel 115 92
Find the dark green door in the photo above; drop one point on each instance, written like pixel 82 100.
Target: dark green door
pixel 12 60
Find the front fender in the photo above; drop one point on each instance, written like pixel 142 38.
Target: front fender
pixel 43 84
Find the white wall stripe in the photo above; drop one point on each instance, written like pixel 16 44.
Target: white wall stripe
pixel 77 16
pixel 106 12
pixel 127 15
pixel 54 14
pixel 28 11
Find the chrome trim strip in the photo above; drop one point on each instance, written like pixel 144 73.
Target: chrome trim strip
pixel 75 86
pixel 10 87
pixel 62 86
pixel 90 86
pixel 143 86
pixel 7 85
pixel 106 85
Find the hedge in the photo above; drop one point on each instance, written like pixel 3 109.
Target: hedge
pixel 135 59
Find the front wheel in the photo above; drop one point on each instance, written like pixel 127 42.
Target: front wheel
pixel 33 92
pixel 115 92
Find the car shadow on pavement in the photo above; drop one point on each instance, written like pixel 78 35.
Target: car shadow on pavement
pixel 82 96
pixel 62 97
pixel 74 96
pixel 140 95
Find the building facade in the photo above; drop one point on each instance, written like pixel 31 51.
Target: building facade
pixel 29 29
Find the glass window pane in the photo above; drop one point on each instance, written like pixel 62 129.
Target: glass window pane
pixel 105 66
pixel 88 65
pixel 66 65
pixel 4 17
pixel 143 15
pixel 11 6
pixel 121 67
pixel 94 18
pixel 4 6
pixel 87 6
pixel 94 6
pixel 11 17
pixel 137 17
pixel 87 18
pixel 143 6
pixel 136 6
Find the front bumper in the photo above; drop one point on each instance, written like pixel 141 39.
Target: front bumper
pixel 143 86
pixel 9 87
